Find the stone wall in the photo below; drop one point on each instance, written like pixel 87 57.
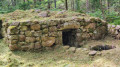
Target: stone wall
pixel 38 34
pixel 114 31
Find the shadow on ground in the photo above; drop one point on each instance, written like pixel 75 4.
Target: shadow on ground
pixel 60 58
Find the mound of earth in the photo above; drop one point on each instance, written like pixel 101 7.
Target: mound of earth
pixel 39 14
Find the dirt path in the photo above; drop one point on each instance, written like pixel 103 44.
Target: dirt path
pixel 60 58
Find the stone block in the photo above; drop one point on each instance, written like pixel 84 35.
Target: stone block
pixel 48 42
pixel 44 26
pixel 13 47
pixel 22 43
pixel 13 37
pixel 12 30
pixel 37 45
pixel 30 39
pixel 13 41
pixel 52 29
pixel 29 33
pixel 23 28
pixel 44 31
pixel 37 33
pixel 35 27
pixel 21 37
pixel 38 39
pixel 53 34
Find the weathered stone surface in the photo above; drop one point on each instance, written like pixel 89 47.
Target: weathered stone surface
pixel 85 36
pixel 30 39
pixel 13 47
pixel 13 41
pixel 52 29
pixel 49 32
pixel 44 26
pixel 12 30
pixel 59 41
pixel 13 37
pixel 27 47
pixel 38 39
pixel 78 50
pixel 52 23
pixel 22 33
pixel 35 27
pixel 23 28
pixel 118 36
pixel 22 43
pixel 66 47
pixel 29 33
pixel 14 23
pixel 71 49
pixel 92 53
pixel 59 33
pixel 37 45
pixel 37 33
pixel 48 42
pixel 21 37
pixel 44 14
pixel 44 31
pixel 70 26
pixel 91 26
pixel 53 34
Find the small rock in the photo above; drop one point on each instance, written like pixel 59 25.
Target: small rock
pixel 71 49
pixel 85 49
pixel 66 47
pixel 43 14
pixel 78 50
pixel 92 53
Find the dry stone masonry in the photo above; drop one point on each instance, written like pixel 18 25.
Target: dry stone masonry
pixel 114 31
pixel 38 34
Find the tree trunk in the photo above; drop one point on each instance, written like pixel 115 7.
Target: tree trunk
pixel 77 5
pixel 72 5
pixel 102 9
pixel 48 4
pixel 34 3
pixel 66 5
pixel 87 5
pixel 55 3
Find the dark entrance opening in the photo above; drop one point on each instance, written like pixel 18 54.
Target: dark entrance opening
pixel 68 37
pixel 1 29
pixel 102 47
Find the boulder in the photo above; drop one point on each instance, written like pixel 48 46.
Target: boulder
pixel 44 14
pixel 71 49
pixel 92 53
pixel 78 50
pixel 48 42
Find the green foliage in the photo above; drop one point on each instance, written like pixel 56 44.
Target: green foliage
pixel 97 13
pixel 111 17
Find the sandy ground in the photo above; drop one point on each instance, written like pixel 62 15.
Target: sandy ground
pixel 60 58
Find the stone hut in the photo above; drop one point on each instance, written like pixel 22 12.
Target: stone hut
pixel 38 34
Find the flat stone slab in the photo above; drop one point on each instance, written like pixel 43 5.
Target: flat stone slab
pixel 92 53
